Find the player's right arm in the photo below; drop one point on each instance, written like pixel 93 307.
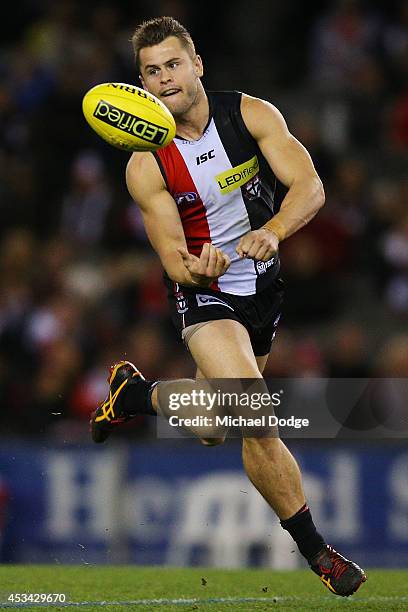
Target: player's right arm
pixel 164 228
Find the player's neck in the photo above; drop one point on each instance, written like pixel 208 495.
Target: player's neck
pixel 191 125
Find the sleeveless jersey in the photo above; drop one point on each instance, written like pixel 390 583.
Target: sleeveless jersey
pixel 223 188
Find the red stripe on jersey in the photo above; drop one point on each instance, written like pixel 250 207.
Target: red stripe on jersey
pixel 191 209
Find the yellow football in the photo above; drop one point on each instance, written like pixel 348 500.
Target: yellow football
pixel 128 117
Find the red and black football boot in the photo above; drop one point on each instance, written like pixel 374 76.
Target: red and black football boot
pixel 110 414
pixel 341 576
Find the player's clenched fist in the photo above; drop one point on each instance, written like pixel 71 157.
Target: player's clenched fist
pixel 261 244
pixel 205 269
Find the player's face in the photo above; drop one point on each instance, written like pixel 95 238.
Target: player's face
pixel 169 72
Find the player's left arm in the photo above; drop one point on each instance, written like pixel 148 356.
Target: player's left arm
pixel 293 166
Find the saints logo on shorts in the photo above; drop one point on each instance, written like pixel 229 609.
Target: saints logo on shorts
pixel 181 302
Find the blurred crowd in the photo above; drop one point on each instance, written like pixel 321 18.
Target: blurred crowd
pixel 80 285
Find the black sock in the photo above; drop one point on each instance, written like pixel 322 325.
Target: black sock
pixel 137 397
pixel 303 531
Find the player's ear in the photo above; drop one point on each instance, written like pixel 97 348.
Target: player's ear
pixel 198 65
pixel 142 81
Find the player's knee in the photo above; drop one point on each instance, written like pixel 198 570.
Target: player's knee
pixel 212 441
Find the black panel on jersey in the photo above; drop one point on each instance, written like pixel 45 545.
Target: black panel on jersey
pixel 240 146
pixel 161 168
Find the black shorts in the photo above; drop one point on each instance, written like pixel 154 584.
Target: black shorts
pixel 258 313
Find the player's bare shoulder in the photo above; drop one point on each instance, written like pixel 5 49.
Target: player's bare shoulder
pixel 261 117
pixel 143 177
pixel 142 167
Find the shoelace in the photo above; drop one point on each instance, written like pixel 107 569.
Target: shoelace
pixel 107 406
pixel 339 565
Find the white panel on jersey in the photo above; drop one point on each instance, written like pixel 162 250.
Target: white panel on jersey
pixel 227 215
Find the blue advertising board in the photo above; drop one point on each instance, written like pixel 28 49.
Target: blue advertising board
pixel 178 502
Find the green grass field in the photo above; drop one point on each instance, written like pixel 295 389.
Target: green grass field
pixel 121 588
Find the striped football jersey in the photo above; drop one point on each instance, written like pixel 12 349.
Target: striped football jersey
pixel 223 188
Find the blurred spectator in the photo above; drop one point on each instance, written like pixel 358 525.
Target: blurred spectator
pixel 391 366
pixel 348 351
pixel 308 359
pixel 366 120
pixel 306 126
pixel 395 46
pixel 18 191
pixel 282 357
pixel 60 365
pixel 311 293
pixel 399 123
pixel 54 33
pixel 341 42
pixel 91 388
pixel 393 257
pixel 392 357
pixel 349 195
pixel 145 343
pixel 86 205
pixel 31 80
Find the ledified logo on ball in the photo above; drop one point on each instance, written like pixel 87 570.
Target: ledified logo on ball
pixel 132 124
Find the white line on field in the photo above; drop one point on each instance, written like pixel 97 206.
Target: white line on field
pixel 211 600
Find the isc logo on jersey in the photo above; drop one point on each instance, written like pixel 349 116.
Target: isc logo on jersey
pixel 128 117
